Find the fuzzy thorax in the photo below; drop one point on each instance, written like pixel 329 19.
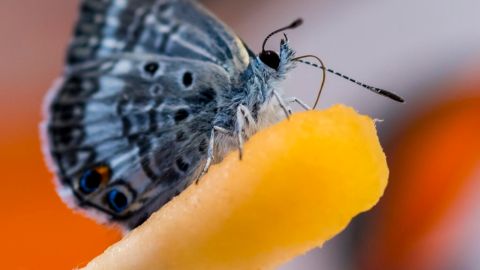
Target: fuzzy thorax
pixel 260 100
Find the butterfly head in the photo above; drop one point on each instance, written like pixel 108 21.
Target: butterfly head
pixel 282 61
pixel 277 64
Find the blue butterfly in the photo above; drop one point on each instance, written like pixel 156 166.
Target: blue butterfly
pixel 153 93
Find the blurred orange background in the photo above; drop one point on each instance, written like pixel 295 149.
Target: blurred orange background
pixel 39 231
pixel 427 51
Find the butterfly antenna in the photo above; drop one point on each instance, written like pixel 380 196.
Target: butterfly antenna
pixel 294 24
pixel 376 90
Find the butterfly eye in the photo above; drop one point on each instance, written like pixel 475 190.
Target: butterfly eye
pixel 270 58
pixel 117 200
pixel 93 178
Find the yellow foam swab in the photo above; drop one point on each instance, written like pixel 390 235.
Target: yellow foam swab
pixel 300 183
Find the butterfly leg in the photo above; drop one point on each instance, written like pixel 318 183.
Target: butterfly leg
pixel 240 130
pixel 210 150
pixel 221 129
pixel 299 102
pixel 282 104
pixel 244 119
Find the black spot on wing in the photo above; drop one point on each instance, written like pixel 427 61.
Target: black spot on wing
pixel 117 200
pixel 181 115
pixel 90 181
pixel 181 136
pixel 73 86
pixel 145 151
pixel 171 176
pixel 118 197
pixel 202 98
pixel 208 95
pixel 151 68
pixel 93 178
pixel 65 136
pixel 187 79
pixel 76 87
pixel 182 165
pixel 202 146
pixel 63 114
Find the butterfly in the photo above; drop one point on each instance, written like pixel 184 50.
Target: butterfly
pixel 153 93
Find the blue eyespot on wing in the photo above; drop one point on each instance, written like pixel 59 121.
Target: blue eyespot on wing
pixel 127 133
pixel 162 27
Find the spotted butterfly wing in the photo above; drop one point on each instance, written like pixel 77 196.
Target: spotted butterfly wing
pixel 163 27
pixel 127 125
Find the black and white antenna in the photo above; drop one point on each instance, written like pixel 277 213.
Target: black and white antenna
pixel 376 90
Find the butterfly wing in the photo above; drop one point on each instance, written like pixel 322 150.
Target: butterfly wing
pixel 126 134
pixel 167 27
pixel 127 128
